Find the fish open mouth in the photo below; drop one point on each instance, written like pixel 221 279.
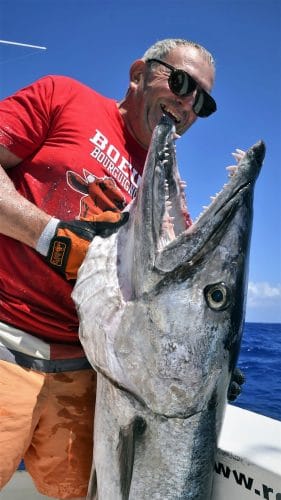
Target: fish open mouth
pixel 174 219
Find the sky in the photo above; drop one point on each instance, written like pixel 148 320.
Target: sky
pixel 95 41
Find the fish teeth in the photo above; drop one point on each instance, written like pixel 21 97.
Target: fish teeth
pixel 167 230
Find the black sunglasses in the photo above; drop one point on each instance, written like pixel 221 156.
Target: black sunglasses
pixel 182 84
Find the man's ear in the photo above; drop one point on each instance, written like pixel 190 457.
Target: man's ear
pixel 137 71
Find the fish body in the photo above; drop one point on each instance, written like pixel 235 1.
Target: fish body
pixel 161 308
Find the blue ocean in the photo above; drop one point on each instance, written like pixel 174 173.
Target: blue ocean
pixel 260 361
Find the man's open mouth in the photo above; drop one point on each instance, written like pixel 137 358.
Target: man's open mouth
pixel 171 113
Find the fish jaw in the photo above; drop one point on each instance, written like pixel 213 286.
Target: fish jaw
pixel 160 198
pixel 160 229
pixel 190 244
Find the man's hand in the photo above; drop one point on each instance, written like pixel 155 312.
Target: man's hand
pixel 237 380
pixel 70 241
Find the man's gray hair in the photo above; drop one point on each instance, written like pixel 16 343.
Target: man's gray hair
pixel 163 47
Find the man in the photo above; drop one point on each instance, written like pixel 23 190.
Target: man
pixel 71 161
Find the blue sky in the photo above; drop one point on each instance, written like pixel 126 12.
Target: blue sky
pixel 95 41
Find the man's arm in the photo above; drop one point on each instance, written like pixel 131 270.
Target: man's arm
pixel 64 244
pixel 19 218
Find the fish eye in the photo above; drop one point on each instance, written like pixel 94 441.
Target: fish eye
pixel 217 296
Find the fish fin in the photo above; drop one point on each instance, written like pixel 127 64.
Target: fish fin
pixel 126 452
pixel 92 493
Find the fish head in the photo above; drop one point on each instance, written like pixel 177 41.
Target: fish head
pixel 168 321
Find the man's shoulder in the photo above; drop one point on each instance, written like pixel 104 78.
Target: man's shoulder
pixel 62 81
pixel 68 86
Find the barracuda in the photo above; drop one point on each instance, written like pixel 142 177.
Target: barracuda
pixel 161 311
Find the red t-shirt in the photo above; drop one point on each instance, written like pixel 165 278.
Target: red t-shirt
pixel 71 140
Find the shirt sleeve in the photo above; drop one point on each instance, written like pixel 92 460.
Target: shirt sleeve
pixel 25 118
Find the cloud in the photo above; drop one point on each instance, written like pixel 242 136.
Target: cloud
pixel 263 302
pixel 262 294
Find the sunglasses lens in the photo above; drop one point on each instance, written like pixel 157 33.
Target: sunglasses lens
pixel 204 104
pixel 181 83
pixel 198 105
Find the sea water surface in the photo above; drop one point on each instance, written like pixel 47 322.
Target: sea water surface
pixel 260 361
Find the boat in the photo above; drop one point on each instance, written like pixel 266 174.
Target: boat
pixel 247 466
pixel 248 462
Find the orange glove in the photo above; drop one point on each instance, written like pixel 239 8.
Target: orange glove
pixel 69 245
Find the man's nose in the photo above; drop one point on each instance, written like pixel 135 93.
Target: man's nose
pixel 188 101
